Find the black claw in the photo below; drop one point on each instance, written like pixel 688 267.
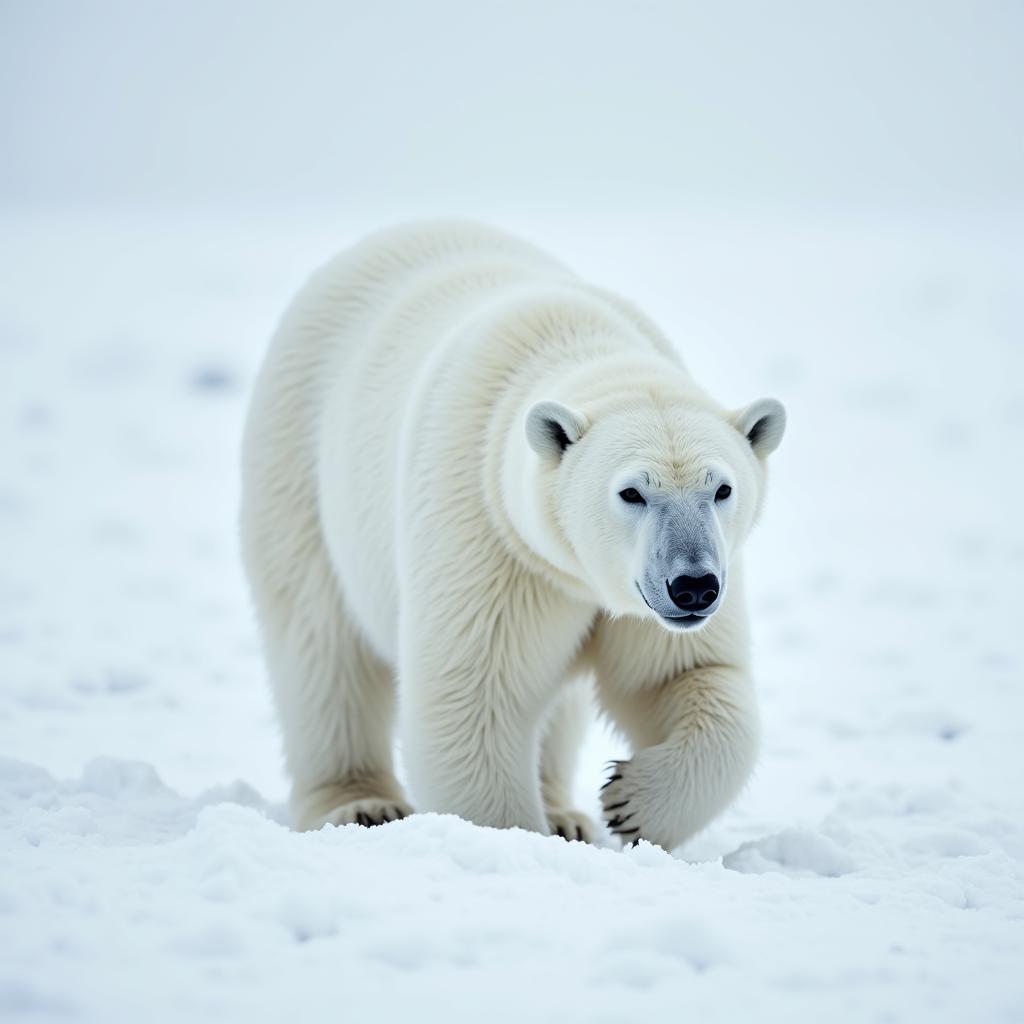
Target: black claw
pixel 614 778
pixel 615 807
pixel 579 833
pixel 560 831
pixel 399 814
pixel 361 818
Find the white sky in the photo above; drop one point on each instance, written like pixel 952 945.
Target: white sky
pixel 854 103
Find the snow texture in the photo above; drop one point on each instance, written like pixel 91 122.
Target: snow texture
pixel 874 869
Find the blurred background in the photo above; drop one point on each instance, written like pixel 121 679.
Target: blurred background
pixel 412 108
pixel 820 201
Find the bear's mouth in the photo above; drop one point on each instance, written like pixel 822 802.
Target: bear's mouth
pixel 686 621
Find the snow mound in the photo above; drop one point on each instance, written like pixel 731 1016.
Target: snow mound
pixel 795 852
pixel 116 868
pixel 122 900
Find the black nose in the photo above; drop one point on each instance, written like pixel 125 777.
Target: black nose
pixel 694 593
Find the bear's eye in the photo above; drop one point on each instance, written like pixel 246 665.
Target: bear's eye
pixel 723 492
pixel 633 496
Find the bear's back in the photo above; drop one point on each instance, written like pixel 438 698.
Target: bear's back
pixel 383 311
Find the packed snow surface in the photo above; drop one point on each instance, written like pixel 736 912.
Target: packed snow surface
pixel 873 869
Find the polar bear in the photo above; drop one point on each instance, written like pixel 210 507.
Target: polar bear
pixel 474 487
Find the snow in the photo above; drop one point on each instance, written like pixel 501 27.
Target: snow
pixel 821 202
pixel 131 902
pixel 874 869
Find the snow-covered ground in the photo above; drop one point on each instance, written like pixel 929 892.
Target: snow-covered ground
pixel 874 869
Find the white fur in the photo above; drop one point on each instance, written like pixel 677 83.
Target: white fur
pixel 411 526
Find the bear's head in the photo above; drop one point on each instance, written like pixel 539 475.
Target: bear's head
pixel 654 497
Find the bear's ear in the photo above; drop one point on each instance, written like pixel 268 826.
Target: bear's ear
pixel 551 427
pixel 762 423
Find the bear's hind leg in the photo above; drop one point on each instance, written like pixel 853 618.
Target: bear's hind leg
pixel 335 700
pixel 566 727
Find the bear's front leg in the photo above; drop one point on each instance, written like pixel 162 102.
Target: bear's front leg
pixel 476 674
pixel 698 736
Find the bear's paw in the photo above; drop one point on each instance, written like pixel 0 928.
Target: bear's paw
pixel 368 812
pixel 637 803
pixel 571 824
